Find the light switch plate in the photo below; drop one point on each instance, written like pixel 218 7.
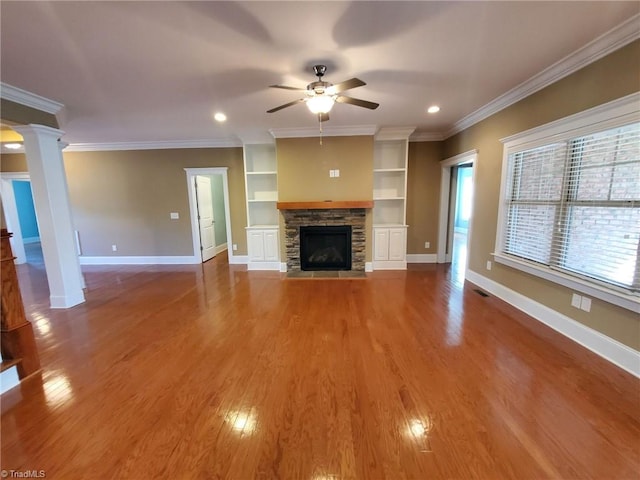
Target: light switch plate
pixel 174 215
pixel 585 304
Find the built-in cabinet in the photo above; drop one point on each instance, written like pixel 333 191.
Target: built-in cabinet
pixel 261 185
pixel 390 199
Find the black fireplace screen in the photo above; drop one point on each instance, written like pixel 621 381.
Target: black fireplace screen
pixel 325 247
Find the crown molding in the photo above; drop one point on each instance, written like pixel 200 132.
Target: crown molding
pixel 426 137
pixel 155 145
pixel 17 95
pixel 346 131
pixel 394 133
pixel 605 44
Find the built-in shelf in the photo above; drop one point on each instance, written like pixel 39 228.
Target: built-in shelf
pixel 389 195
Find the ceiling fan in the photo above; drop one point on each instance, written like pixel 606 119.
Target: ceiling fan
pixel 320 95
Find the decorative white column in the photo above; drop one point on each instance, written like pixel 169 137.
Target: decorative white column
pixel 53 209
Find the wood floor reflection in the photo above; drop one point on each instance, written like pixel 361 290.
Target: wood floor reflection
pixel 210 371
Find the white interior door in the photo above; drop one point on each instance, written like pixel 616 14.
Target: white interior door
pixel 206 221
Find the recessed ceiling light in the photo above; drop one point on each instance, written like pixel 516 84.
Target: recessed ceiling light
pixel 220 117
pixel 13 146
pixel 433 109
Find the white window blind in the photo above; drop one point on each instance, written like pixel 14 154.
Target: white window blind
pixel 574 206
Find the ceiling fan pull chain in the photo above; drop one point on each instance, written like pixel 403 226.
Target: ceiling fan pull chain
pixel 320 122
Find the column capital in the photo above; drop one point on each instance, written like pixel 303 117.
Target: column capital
pixel 38 130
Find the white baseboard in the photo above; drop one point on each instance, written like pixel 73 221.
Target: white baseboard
pixel 617 353
pixel 422 258
pixel 238 259
pixel 221 248
pixel 67 301
pixel 264 266
pixel 133 260
pixel 368 266
pixel 390 265
pixel 283 267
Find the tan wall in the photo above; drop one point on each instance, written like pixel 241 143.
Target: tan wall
pixel 612 77
pixel 423 196
pixel 304 164
pixel 125 197
pixel 13 162
pixel 303 172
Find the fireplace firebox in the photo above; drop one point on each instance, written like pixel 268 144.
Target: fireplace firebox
pixel 326 247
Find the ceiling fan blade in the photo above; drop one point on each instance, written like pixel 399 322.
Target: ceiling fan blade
pixel 347 84
pixel 295 102
pixel 357 102
pixel 288 88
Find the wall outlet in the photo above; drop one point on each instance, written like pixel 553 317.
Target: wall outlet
pixel 585 304
pixel 576 300
pixel 114 248
pixel 235 247
pixel 332 173
pixel 427 244
pixel 174 215
pixel 489 265
pixel 336 173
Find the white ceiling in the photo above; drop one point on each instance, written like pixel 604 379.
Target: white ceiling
pixel 158 71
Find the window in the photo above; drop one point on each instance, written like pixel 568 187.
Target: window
pixel 571 206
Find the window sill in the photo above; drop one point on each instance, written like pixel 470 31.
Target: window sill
pixel 621 299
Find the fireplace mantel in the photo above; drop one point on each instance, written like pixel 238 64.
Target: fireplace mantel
pixel 326 205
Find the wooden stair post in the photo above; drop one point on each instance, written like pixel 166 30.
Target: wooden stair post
pixel 17 341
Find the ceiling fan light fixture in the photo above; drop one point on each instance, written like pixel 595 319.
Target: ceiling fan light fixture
pixel 320 104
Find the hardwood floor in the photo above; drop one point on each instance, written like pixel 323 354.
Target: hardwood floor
pixel 215 372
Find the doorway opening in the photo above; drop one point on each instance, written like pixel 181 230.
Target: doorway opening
pixel 21 219
pixel 208 191
pixel 456 212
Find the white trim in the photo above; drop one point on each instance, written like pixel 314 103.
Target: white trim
pixel 283 267
pixel 154 145
pixel 67 301
pixel 610 41
pixel 191 173
pixel 394 133
pixel 616 112
pixel 303 132
pixel 426 137
pixel 139 260
pixel 221 248
pixel 445 192
pixel 389 265
pixel 368 267
pixel 238 259
pixel 17 95
pixel 617 353
pixel 11 213
pixel 422 258
pixel 621 299
pixel 264 266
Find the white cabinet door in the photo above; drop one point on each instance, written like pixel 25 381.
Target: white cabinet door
pixel 397 244
pixel 271 246
pixel 256 246
pixel 381 244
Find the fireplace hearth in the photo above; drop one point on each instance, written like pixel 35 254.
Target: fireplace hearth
pixel 325 247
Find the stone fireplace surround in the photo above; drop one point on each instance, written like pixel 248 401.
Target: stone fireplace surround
pixel 294 218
